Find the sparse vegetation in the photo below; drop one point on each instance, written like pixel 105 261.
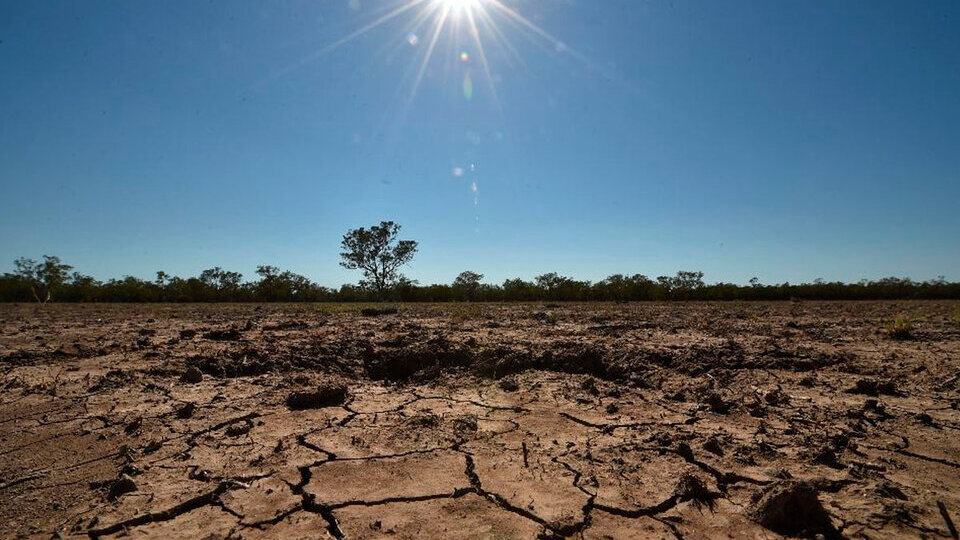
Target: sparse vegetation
pixel 900 328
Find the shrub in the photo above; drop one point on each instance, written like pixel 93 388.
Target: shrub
pixel 900 328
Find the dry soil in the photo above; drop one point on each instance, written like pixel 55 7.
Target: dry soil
pixel 680 420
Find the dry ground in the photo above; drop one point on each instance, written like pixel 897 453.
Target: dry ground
pixel 681 420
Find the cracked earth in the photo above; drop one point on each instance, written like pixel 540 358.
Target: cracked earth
pixel 681 420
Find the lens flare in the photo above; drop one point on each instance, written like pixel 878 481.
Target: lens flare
pixel 467 87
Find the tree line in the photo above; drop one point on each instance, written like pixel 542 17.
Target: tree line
pixel 53 280
pixel 378 253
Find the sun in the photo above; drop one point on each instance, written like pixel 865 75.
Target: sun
pixel 458 5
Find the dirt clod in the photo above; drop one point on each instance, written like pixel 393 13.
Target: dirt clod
pixel 230 334
pixel 188 333
pixel 327 394
pixel 692 488
pixel 186 411
pixel 121 486
pixel 874 387
pixel 378 311
pixel 239 429
pixel 508 384
pixel 465 425
pixel 791 507
pixel 192 375
pixel 713 446
pixel 134 426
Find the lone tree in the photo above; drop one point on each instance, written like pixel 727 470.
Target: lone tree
pixel 378 253
pixel 43 277
pixel 468 283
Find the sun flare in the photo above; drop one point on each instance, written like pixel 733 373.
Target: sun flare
pixel 458 6
pixel 467 31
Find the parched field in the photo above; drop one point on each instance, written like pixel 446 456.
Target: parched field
pixel 679 420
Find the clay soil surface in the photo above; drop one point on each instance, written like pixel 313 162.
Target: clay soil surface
pixel 679 420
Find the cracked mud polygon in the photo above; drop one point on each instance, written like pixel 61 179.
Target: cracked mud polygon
pixel 679 420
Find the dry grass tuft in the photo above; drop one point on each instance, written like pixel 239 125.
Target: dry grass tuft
pixel 901 328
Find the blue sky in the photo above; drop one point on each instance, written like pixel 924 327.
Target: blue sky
pixel 784 140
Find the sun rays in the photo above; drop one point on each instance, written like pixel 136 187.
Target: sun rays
pixel 465 32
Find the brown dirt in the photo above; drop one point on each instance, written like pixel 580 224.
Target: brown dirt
pixel 682 420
